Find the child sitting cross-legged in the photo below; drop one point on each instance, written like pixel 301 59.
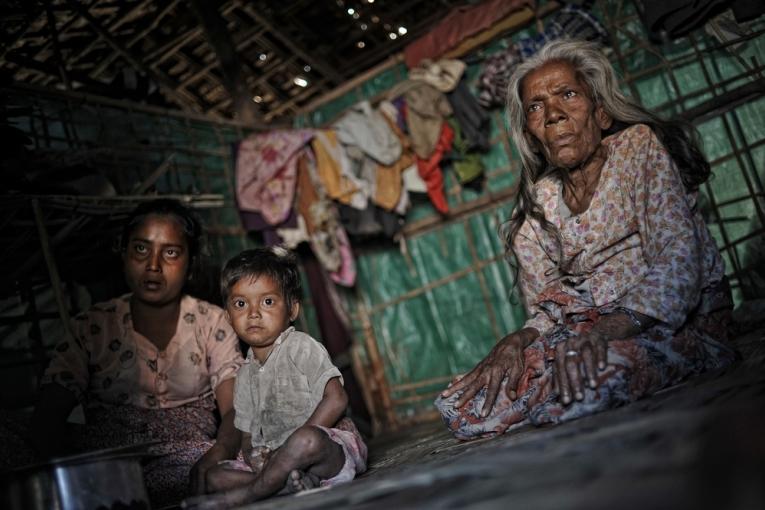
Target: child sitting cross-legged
pixel 289 399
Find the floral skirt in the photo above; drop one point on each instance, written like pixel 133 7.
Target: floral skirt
pixel 637 367
pixel 184 433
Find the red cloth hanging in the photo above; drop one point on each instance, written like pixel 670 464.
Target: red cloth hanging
pixel 430 169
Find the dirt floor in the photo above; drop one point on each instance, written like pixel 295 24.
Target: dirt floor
pixel 697 445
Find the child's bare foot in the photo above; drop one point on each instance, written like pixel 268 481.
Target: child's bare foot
pixel 300 481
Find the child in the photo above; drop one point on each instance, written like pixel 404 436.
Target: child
pixel 289 399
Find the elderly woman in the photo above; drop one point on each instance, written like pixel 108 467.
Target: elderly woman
pixel 622 283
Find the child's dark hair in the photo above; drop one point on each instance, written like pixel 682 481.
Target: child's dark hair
pixel 276 262
pixel 188 220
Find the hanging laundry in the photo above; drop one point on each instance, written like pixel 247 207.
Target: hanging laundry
pixel 426 109
pixel 495 76
pixel 400 104
pixel 254 222
pixel 404 203
pixel 430 170
pixel 366 129
pixel 392 112
pixel 389 180
pixel 292 237
pixel 266 172
pixel 371 222
pixel 412 180
pixel 443 74
pixel 335 171
pixel 317 214
pixel 327 237
pixel 467 165
pixel 473 120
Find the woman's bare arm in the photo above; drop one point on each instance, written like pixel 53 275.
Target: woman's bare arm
pixel 227 442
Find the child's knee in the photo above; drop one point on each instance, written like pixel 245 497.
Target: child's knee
pixel 307 440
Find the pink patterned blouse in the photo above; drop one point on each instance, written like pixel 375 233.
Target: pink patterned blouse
pixel 109 363
pixel 642 243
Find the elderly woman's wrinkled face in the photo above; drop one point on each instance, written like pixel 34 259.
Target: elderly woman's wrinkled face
pixel 562 122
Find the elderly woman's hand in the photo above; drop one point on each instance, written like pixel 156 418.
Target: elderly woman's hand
pixel 505 359
pixel 589 350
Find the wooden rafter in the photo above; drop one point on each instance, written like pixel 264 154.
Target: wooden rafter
pixel 137 37
pixel 56 46
pixel 184 100
pixel 219 38
pixel 333 76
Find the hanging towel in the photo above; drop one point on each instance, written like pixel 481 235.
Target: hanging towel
pixel 266 172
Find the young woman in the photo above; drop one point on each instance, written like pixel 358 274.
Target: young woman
pixel 151 365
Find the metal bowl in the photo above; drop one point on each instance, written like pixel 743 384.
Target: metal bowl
pixel 105 479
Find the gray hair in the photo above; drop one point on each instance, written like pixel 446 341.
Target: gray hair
pixel 599 78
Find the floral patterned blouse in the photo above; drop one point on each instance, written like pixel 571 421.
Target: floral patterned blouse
pixel 109 363
pixel 642 243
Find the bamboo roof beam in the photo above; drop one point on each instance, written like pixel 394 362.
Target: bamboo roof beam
pixel 69 20
pixel 246 40
pixel 234 79
pixel 263 82
pixel 168 49
pixel 291 104
pixel 137 37
pixel 56 46
pixel 184 100
pixel 334 77
pixel 29 20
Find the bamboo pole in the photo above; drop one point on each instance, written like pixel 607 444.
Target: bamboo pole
pixel 52 269
pixel 377 367
pixel 156 174
pixel 367 389
pixel 26 89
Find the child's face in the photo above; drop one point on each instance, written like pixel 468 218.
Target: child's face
pixel 258 312
pixel 156 260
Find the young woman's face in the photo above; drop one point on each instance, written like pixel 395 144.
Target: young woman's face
pixel 259 312
pixel 156 260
